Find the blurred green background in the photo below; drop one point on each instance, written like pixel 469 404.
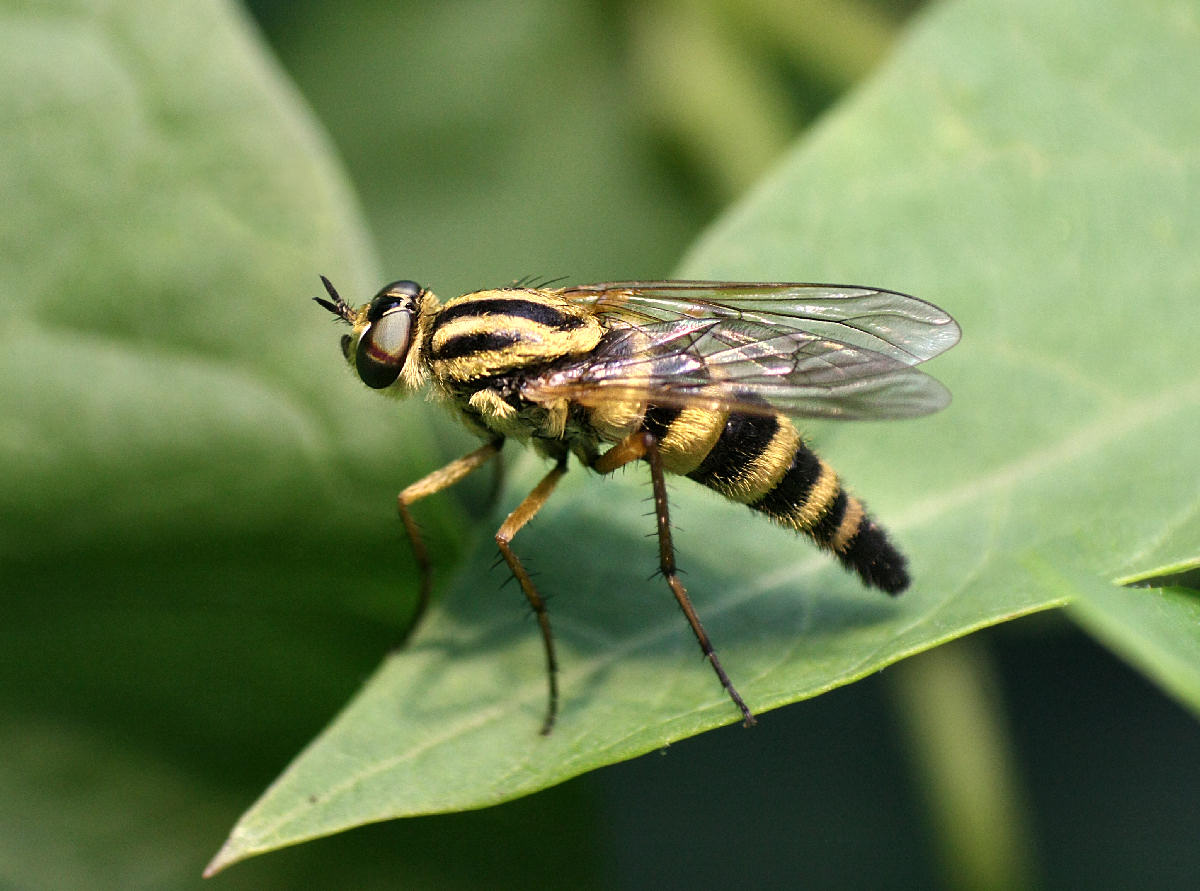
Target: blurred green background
pixel 487 141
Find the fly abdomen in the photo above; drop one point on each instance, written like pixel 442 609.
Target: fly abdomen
pixel 810 499
pixel 760 460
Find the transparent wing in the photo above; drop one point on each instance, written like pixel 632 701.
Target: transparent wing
pixel 758 348
pixel 897 325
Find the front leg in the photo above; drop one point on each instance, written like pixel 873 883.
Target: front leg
pixel 644 445
pixel 440 479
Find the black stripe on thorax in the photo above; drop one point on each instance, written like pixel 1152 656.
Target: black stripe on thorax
pixel 533 310
pixel 744 438
pixel 480 341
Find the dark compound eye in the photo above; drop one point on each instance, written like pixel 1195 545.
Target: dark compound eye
pixel 405 287
pixel 395 294
pixel 384 344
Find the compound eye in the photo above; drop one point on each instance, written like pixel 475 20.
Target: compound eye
pixel 401 292
pixel 384 344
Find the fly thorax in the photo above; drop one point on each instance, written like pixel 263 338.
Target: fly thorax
pixel 493 333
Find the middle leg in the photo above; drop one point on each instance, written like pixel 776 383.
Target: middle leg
pixel 516 520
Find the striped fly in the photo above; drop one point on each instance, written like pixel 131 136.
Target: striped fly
pixel 697 379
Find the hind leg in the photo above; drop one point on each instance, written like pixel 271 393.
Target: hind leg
pixel 645 445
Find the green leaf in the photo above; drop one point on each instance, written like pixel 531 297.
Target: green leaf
pixel 479 178
pixel 164 425
pixel 1156 630
pixel 1030 167
pixel 152 286
pixel 1185 573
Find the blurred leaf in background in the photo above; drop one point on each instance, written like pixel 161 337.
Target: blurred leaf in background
pixel 200 557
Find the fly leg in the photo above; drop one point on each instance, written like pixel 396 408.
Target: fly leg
pixel 644 445
pixel 516 520
pixel 440 479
